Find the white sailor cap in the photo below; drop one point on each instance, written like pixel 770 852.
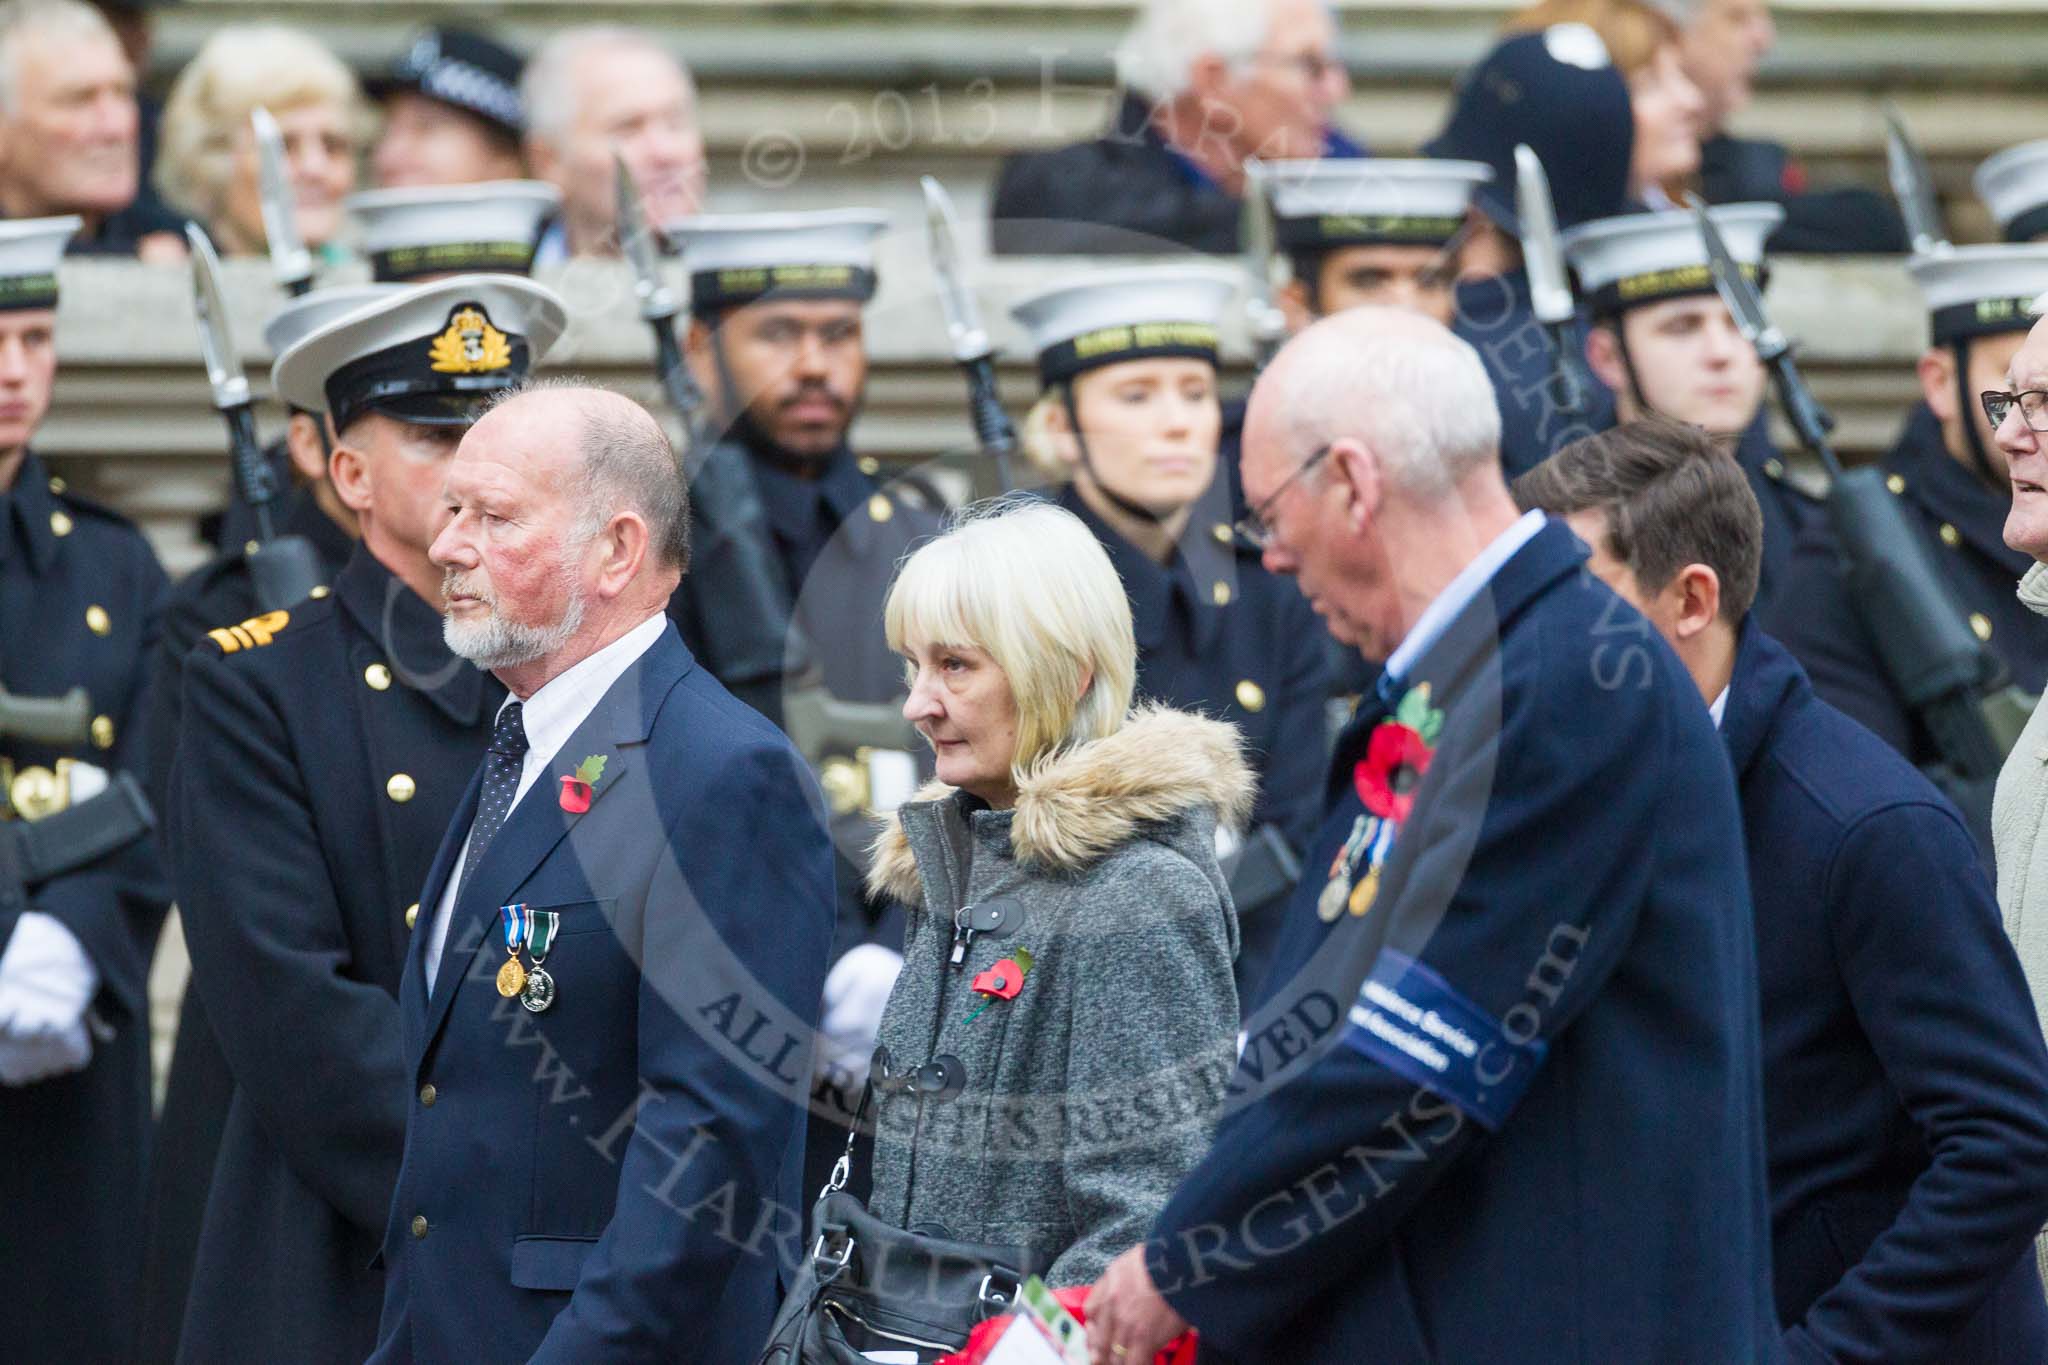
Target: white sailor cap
pixel 452 229
pixel 1973 291
pixel 301 315
pixel 431 354
pixel 2014 185
pixel 735 259
pixel 1135 314
pixel 29 251
pixel 1328 203
pixel 1642 258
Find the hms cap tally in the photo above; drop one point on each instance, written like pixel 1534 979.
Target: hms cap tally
pixel 1114 316
pixel 452 229
pixel 30 249
pixel 737 259
pixel 432 354
pixel 1642 258
pixel 1974 291
pixel 1327 204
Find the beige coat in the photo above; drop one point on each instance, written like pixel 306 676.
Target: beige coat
pixel 2019 816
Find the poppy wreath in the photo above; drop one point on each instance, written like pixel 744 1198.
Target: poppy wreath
pixel 1398 755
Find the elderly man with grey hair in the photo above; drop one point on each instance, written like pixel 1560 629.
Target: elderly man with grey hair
pixel 1499 1098
pixel 1207 86
pixel 70 130
pixel 608 1007
pixel 595 91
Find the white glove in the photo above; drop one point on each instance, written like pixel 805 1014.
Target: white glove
pixel 856 989
pixel 24 1061
pixel 46 980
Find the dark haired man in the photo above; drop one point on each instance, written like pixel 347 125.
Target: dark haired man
pixel 1905 1080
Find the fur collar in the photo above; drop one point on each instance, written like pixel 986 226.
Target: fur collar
pixel 1094 797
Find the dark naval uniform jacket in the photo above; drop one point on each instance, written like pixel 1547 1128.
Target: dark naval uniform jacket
pixel 1791 516
pixel 324 750
pixel 1507 1106
pixel 1219 635
pixel 78 591
pixel 195 1105
pixel 1495 314
pixel 1905 1079
pixel 1962 520
pixel 616 1178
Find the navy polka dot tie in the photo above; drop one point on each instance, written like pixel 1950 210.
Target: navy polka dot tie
pixel 501 783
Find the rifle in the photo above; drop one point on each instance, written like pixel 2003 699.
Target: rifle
pixel 283 569
pixel 1937 662
pixel 1550 293
pixel 289 259
pixel 33 851
pixel 972 350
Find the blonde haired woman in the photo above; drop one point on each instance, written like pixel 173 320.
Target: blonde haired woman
pixel 206 158
pixel 1129 431
pixel 1052 1054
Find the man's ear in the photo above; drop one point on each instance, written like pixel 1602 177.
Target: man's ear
pixel 348 469
pixel 1356 467
pixel 1603 357
pixel 1937 371
pixel 624 545
pixel 1695 597
pixel 1293 300
pixel 1208 74
pixel 302 443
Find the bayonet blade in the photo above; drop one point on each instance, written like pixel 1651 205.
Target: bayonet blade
pixel 1550 294
pixel 1737 290
pixel 216 342
pixel 289 259
pixel 642 248
pixel 1912 186
pixel 963 314
pixel 1268 324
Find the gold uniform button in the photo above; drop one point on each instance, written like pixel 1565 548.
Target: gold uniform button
pixel 378 677
pixel 880 508
pixel 1224 535
pixel 103 732
pixel 412 914
pixel 1220 594
pixel 58 486
pixel 318 592
pixel 400 788
pixel 1251 696
pixel 60 523
pixel 428 1095
pixel 1950 536
pixel 1774 469
pixel 1981 624
pixel 869 465
pixel 97 621
pixel 1895 482
pixel 419 1226
pixel 250 547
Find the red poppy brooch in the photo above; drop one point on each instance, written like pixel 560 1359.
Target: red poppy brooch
pixel 1002 981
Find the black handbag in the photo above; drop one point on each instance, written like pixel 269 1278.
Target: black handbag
pixel 869 1286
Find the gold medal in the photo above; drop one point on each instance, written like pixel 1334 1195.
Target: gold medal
pixel 1368 888
pixel 1330 905
pixel 511 978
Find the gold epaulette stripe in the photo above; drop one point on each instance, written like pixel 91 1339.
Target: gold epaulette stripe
pixel 250 634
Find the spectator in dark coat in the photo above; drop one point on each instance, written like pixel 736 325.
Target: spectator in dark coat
pixel 1209 85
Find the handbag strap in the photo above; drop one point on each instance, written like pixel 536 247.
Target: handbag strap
pixel 842 1169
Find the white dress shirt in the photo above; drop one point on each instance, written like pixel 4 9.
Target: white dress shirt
pixel 1443 609
pixel 549 716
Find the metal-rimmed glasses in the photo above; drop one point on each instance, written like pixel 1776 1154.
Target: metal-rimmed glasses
pixel 1252 527
pixel 2033 406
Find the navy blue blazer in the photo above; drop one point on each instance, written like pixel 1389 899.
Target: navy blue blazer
pixel 1905 1080
pixel 1512 1111
pixel 616 1179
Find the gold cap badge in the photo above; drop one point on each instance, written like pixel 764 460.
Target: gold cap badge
pixel 470 345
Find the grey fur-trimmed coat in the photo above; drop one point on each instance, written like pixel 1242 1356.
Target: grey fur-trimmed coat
pixel 1090 1094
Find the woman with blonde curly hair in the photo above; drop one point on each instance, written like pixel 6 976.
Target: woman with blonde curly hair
pixel 207 160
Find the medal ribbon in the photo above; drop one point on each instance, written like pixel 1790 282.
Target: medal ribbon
pixel 515 922
pixel 541 933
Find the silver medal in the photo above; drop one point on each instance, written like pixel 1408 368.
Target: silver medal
pixel 1336 891
pixel 540 990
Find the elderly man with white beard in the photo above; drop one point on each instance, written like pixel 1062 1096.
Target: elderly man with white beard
pixel 608 1015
